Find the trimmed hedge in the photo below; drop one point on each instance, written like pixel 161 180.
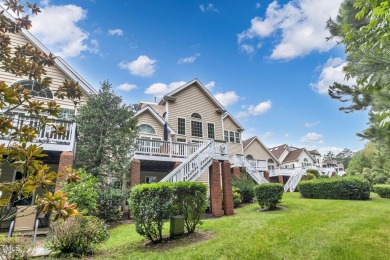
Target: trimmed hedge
pixel 190 200
pixel 347 188
pixel 269 195
pixel 236 197
pixel 383 190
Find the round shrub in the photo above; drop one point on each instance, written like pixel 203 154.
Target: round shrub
pixel 269 195
pixel 315 172
pixel 347 188
pixel 308 176
pixel 245 184
pixel 150 206
pixel 77 236
pixel 236 197
pixel 190 200
pixel 383 190
pixel 109 201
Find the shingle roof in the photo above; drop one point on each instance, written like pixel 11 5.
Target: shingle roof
pixel 278 150
pixel 293 155
pixel 247 141
pixel 314 152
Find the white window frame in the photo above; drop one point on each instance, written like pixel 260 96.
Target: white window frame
pixel 155 131
pixel 185 125
pixel 153 177
pixel 208 133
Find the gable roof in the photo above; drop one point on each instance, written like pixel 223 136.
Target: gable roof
pixel 155 115
pixel 294 155
pixel 227 114
pixel 61 64
pixel 277 151
pixel 195 81
pixel 247 142
pixel 315 152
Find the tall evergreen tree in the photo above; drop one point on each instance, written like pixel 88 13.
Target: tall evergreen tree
pixel 106 134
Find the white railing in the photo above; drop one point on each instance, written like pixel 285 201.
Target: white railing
pixel 220 148
pixel 46 133
pixel 165 148
pixel 327 171
pixel 194 165
pixel 292 183
pixel 250 168
pixel 260 165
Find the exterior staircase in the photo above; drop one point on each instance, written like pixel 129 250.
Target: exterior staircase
pixel 257 176
pixel 295 177
pixel 194 165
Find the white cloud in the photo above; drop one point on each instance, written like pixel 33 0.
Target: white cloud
pixel 44 2
pixel 332 71
pixel 260 108
pixel 210 85
pixel 247 48
pixel 266 135
pixel 117 32
pixel 312 138
pixel 227 98
pixel 208 8
pixel 300 26
pixel 126 87
pixel 57 27
pixel 311 124
pixel 187 60
pixel 324 150
pixel 143 66
pixel 287 135
pixel 160 89
pixel 258 5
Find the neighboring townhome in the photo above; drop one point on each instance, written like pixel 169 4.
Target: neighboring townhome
pixel 317 157
pixel 59 149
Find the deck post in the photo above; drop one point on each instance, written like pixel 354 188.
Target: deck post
pixel 215 189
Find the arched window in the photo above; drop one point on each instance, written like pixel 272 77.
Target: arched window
pixel 35 89
pixel 146 129
pixel 249 157
pixel 270 161
pixel 196 116
pixel 305 160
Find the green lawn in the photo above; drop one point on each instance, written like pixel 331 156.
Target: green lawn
pixel 307 229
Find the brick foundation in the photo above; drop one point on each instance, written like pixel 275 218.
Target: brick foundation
pixel 280 179
pixel 236 172
pixel 135 172
pixel 66 161
pixel 228 205
pixel 266 175
pixel 215 189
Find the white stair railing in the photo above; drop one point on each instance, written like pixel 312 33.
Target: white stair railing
pixel 251 169
pixel 194 165
pixel 292 183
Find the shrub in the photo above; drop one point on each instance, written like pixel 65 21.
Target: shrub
pixel 190 200
pixel 150 205
pixel 308 176
pixel 83 193
pixel 16 247
pixel 383 190
pixel 109 201
pixel 348 188
pixel 236 196
pixel 77 236
pixel 315 172
pixel 245 184
pixel 269 195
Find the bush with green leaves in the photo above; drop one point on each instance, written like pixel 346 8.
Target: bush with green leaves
pixel 383 190
pixel 315 172
pixel 16 247
pixel 77 236
pixel 347 188
pixel 245 183
pixel 308 176
pixel 84 192
pixel 236 197
pixel 190 200
pixel 109 202
pixel 269 195
pixel 151 205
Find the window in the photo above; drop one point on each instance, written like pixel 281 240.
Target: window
pixel 237 135
pixel 196 116
pixel 249 157
pixel 270 161
pixel 36 90
pixel 181 126
pixel 210 130
pixel 150 179
pixel 181 140
pixel 196 128
pixel 231 137
pixel 146 129
pixel 66 114
pixel 226 136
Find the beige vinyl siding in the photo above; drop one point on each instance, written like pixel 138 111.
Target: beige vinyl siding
pixel 229 125
pixel 257 151
pixel 54 72
pixel 194 100
pixel 147 118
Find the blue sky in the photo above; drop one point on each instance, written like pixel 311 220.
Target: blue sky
pixel 267 61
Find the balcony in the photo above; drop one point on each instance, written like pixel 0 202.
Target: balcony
pixel 149 149
pixel 46 137
pixel 260 165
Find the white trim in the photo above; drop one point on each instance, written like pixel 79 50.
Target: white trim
pixel 155 131
pixel 261 143
pixel 157 116
pixel 208 130
pixel 185 125
pixel 227 114
pixel 199 121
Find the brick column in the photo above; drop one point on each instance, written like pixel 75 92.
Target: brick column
pixel 236 172
pixel 266 175
pixel 228 206
pixel 176 165
pixel 215 189
pixel 135 172
pixel 66 161
pixel 280 179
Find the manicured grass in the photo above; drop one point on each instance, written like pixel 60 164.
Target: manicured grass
pixel 307 229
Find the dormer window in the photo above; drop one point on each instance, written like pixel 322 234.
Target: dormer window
pixel 36 90
pixel 146 129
